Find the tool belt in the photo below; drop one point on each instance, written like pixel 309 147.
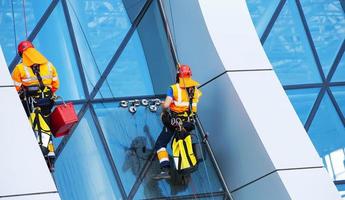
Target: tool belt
pixel 36 96
pixel 181 122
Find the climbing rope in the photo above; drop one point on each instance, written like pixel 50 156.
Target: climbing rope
pixel 25 23
pixel 14 28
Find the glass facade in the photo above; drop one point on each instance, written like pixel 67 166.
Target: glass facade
pixel 105 52
pixel 305 42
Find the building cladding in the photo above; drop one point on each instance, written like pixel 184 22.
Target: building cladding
pixel 113 50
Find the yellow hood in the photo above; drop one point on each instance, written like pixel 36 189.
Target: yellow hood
pixel 187 82
pixel 32 56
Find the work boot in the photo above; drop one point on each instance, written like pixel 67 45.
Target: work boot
pixel 50 161
pixel 164 174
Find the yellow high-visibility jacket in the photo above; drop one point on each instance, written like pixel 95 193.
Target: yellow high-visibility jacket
pixel 180 102
pixel 24 76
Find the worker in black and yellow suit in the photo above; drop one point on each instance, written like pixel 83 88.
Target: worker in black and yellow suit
pixel 36 81
pixel 177 103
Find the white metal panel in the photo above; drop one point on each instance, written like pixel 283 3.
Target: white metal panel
pixel 5 78
pixel 291 185
pixel 22 169
pixel 274 119
pixel 233 34
pixel 53 196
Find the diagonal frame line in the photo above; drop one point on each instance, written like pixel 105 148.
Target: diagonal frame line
pixel 105 73
pixel 108 152
pixel 310 40
pixel 35 31
pixel 336 106
pixel 315 108
pixel 272 21
pixel 336 62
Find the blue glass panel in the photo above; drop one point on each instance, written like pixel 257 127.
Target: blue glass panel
pixel 127 135
pixel 303 101
pixel 54 42
pixel 339 74
pixel 288 49
pixel 204 180
pixel 56 141
pixel 130 75
pixel 12 24
pixel 105 23
pixel 339 94
pixel 341 189
pixel 326 21
pixel 328 136
pixel 133 7
pixel 261 12
pixel 82 171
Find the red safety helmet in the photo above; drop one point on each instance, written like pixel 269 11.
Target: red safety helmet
pixel 23 46
pixel 184 71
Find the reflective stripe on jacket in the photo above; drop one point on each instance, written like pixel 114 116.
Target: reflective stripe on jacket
pixel 23 75
pixel 181 100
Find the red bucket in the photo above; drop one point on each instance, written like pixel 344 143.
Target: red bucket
pixel 62 119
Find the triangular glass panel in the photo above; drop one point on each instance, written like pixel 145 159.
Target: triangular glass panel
pixel 261 12
pixel 328 136
pixel 339 75
pixel 82 171
pixel 133 7
pixel 54 42
pixel 288 49
pixel 339 95
pixel 303 101
pixel 103 24
pixel 130 137
pixel 130 75
pixel 203 181
pixel 13 22
pixel 326 22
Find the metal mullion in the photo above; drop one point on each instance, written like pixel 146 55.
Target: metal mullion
pixel 190 196
pixel 108 152
pixel 336 62
pixel 75 102
pixel 315 108
pixel 75 48
pixel 64 141
pixel 115 99
pixel 35 31
pixel 303 86
pixel 336 106
pixel 118 52
pixel 272 21
pixel 310 40
pixel 337 83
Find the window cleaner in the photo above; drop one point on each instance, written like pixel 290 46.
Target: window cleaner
pixel 36 81
pixel 178 113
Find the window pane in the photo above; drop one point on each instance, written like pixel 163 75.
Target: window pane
pixel 130 75
pixel 261 12
pixel 133 7
pixel 130 137
pixel 341 189
pixel 328 136
pixel 339 74
pixel 303 101
pixel 12 30
pixel 82 171
pixel 326 21
pixel 104 23
pixel 339 94
pixel 288 49
pixel 54 42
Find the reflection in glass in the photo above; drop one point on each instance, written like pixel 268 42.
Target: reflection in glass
pixel 288 49
pixel 12 24
pixel 130 75
pixel 339 74
pixel 54 42
pixel 326 22
pixel 328 136
pixel 83 170
pixel 303 101
pixel 261 12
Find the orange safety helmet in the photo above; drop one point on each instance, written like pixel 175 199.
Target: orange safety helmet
pixel 24 45
pixel 184 71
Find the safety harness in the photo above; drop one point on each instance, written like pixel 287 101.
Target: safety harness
pixel 182 145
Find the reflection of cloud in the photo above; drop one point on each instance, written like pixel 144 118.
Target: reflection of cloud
pixel 96 22
pixel 108 6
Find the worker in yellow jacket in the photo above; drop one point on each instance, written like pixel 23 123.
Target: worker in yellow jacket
pixel 35 77
pixel 179 108
pixel 36 81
